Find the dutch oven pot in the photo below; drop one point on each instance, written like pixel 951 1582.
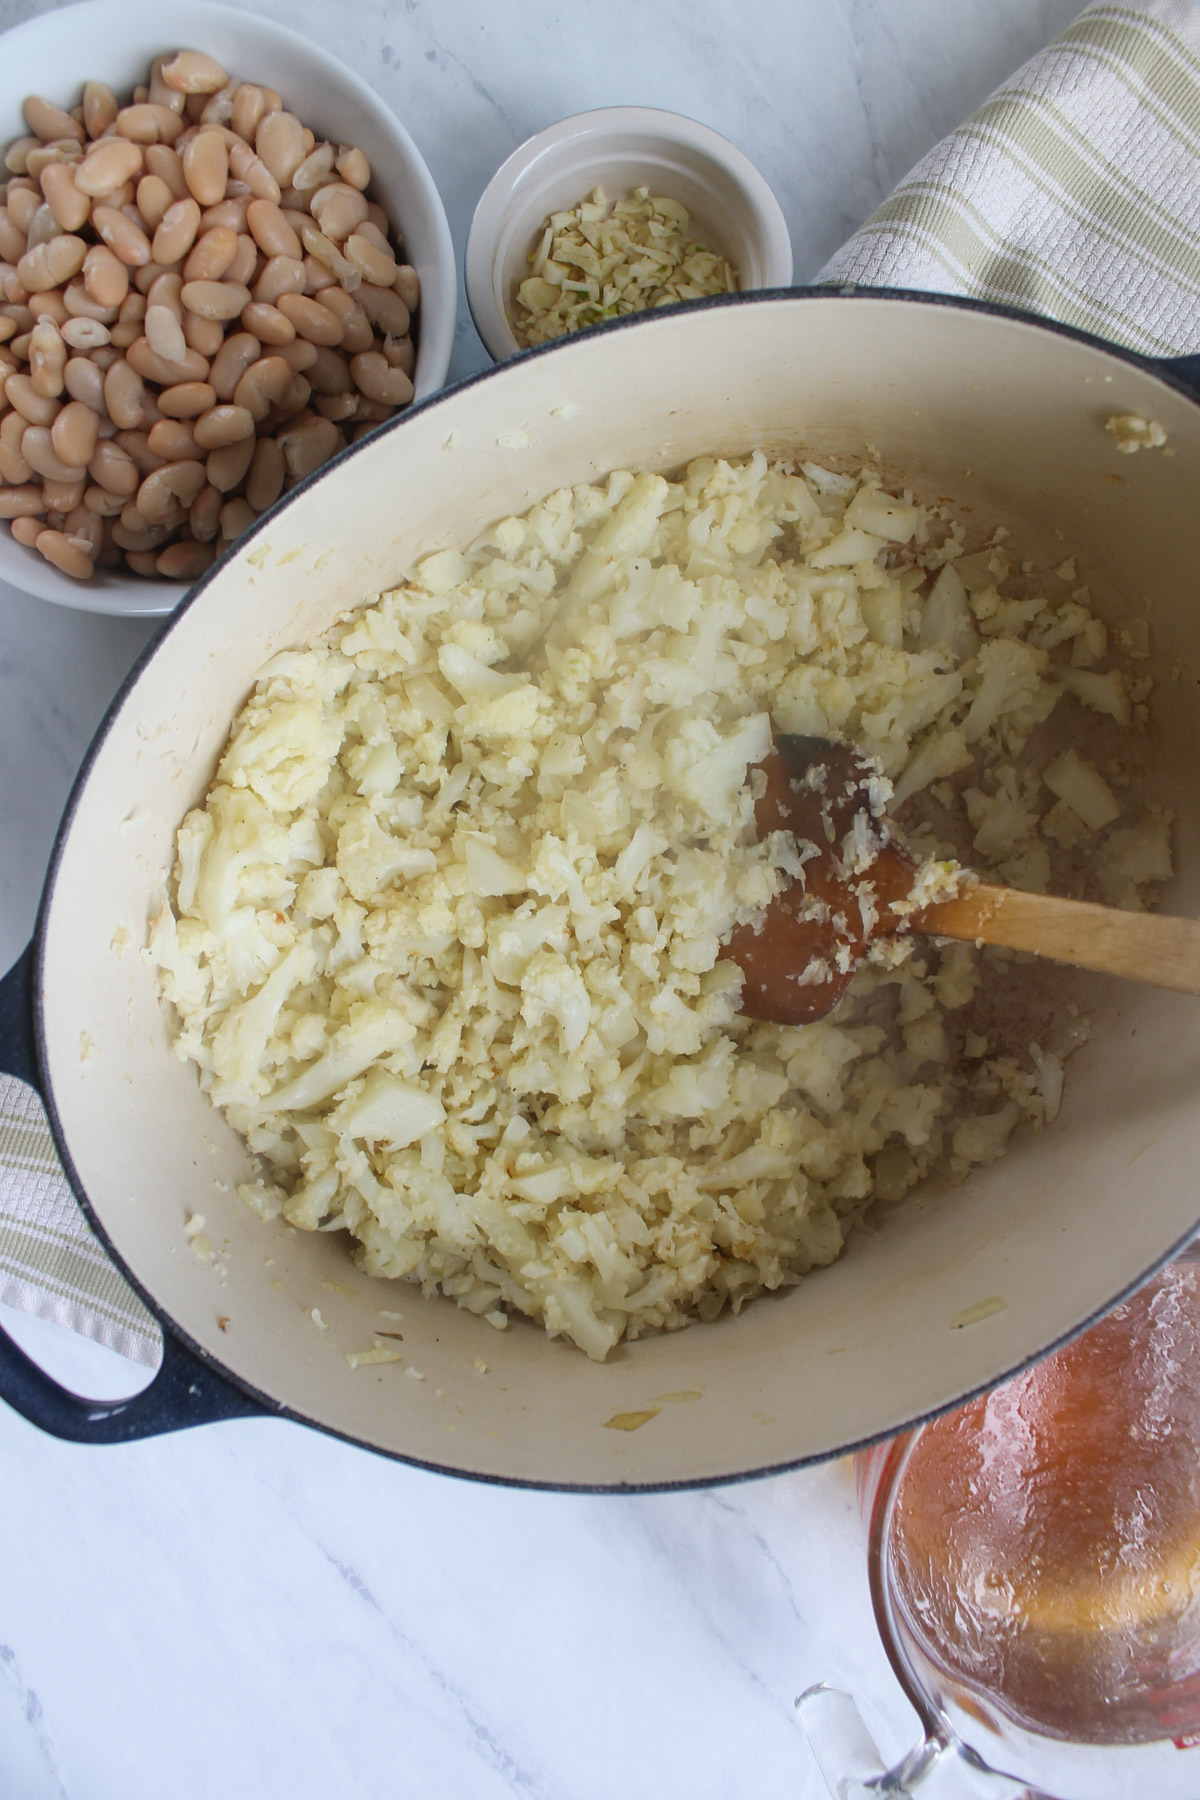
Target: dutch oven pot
pixel 1004 413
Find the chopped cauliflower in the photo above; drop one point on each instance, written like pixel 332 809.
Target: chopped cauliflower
pixel 1133 433
pixel 445 938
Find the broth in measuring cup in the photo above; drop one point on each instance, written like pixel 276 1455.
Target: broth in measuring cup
pixel 1044 1544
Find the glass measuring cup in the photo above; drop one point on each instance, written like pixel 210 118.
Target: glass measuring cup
pixel 1034 1562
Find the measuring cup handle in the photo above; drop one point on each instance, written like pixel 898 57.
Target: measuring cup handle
pixel 848 1756
pixel 853 1769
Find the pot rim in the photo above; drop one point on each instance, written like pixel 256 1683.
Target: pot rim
pixel 1158 369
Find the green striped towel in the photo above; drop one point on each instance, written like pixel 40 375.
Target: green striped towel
pixel 1074 191
pixel 50 1262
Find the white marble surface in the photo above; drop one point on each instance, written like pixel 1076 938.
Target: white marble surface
pixel 254 1610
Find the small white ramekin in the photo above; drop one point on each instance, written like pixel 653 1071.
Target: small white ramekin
pixel 619 148
pixel 115 41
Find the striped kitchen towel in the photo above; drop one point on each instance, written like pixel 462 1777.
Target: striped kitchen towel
pixel 50 1262
pixel 1074 191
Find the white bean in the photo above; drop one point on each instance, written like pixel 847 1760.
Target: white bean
pixel 125 239
pixel 307 445
pixel 192 72
pixel 183 562
pixel 84 334
pixel 100 108
pixel 374 377
pixel 23 502
pixel 206 167
pixel 215 299
pixel 279 142
pixel 186 400
pixel 48 121
pixel 107 166
pixel 354 168
pixel 66 554
pixel 222 425
pixel 74 433
pixel 264 483
pixel 164 334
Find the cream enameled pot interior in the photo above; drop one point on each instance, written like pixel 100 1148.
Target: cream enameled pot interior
pixel 1006 417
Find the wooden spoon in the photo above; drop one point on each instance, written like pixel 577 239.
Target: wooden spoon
pixel 799 962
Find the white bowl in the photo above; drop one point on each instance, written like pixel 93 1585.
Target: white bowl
pixel 115 41
pixel 619 148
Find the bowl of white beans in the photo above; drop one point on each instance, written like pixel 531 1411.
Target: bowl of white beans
pixel 222 261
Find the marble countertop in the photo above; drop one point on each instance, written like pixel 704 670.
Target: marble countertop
pixel 254 1609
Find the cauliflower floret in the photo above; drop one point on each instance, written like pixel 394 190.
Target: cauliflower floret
pixel 1010 682
pixel 817 1055
pixel 709 770
pixel 385 1110
pixel 984 1138
pixel 1134 858
pixel 284 751
pixel 370 860
pixel 373 1030
pixel 1103 693
pixel 1001 822
pixel 946 616
pixel 693 1089
pixel 1084 789
pixel 937 755
pixel 239 1045
pixel 549 985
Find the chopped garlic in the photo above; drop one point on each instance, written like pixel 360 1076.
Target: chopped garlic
pixel 594 263
pixel 378 1353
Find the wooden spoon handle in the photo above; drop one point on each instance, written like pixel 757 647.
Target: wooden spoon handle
pixel 1143 946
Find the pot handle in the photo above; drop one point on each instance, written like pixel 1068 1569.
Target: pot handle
pixel 185 1391
pixel 18 1052
pixel 1183 368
